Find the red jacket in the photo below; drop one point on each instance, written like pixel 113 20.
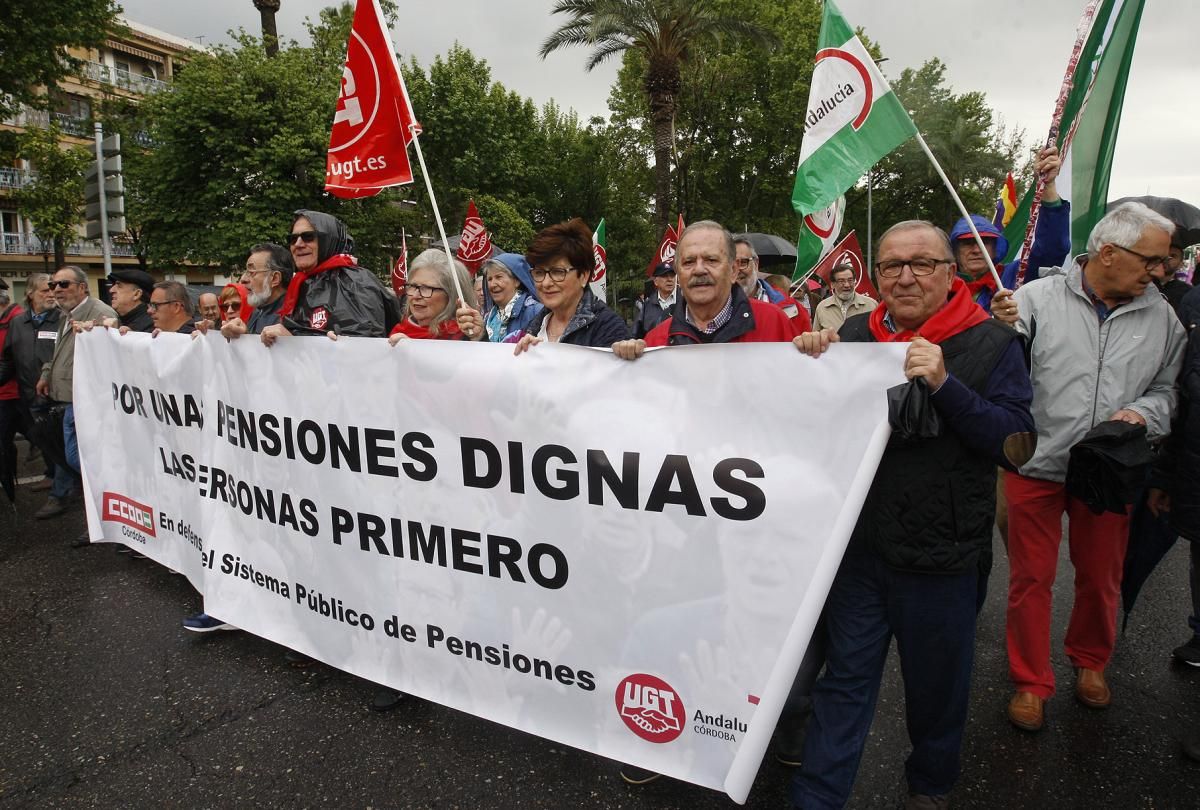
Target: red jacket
pixel 752 322
pixel 9 389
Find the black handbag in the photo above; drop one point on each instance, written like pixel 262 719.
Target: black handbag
pixel 911 412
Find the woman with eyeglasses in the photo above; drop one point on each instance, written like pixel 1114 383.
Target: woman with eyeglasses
pixel 431 311
pixel 562 260
pixel 330 294
pixel 235 302
pixel 510 300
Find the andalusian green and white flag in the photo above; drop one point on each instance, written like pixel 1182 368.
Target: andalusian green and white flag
pixel 819 232
pixel 853 117
pixel 1087 136
pixel 599 282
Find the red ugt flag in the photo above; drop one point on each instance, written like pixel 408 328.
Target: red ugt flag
pixel 666 250
pixel 373 123
pixel 475 243
pixel 400 271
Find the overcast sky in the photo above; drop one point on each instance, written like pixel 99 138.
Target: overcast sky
pixel 1016 52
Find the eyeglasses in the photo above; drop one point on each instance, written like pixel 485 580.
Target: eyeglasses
pixel 424 290
pixel 744 262
pixel 231 306
pixel 304 236
pixel 554 273
pixel 61 285
pixel 919 267
pixel 1152 262
pixel 159 304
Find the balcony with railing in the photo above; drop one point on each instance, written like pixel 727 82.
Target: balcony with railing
pixel 22 245
pixel 68 124
pixel 124 79
pixel 15 178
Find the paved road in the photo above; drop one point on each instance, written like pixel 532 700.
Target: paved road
pixel 108 702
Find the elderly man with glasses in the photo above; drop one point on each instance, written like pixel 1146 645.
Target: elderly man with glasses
pixel 171 308
pixel 70 287
pixel 911 568
pixel 746 265
pixel 846 301
pixel 1103 345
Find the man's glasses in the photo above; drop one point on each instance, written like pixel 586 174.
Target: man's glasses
pixel 1152 262
pixel 61 285
pixel 159 304
pixel 919 267
pixel 304 236
pixel 554 273
pixel 744 262
pixel 424 290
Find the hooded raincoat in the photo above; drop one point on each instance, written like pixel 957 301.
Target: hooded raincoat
pixel 337 295
pixel 521 310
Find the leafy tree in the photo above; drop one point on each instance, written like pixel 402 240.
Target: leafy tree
pixel 33 42
pixel 975 153
pixel 240 143
pixel 53 200
pixel 667 34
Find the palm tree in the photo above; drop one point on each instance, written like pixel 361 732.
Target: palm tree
pixel 666 33
pixel 267 9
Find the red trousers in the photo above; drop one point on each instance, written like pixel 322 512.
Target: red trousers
pixel 1097 547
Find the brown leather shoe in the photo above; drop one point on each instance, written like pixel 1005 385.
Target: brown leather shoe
pixel 1091 689
pixel 1026 711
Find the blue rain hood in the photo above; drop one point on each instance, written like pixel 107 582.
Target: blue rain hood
pixel 522 272
pixel 986 229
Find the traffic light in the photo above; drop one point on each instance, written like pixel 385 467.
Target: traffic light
pixel 104 177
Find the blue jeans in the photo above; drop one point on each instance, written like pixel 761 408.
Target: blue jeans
pixel 70 440
pixel 66 478
pixel 933 620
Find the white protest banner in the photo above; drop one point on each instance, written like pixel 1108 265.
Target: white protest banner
pixel 628 558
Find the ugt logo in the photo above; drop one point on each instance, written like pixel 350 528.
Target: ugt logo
pixel 319 318
pixel 358 101
pixel 650 707
pixel 601 263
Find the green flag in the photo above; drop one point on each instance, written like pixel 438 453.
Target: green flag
pixel 1091 116
pixel 599 282
pixel 853 117
pixel 818 234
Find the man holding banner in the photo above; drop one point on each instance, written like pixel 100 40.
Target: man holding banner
pixel 911 567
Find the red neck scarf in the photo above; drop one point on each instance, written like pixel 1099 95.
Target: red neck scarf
pixel 984 282
pixel 447 330
pixel 293 290
pixel 958 315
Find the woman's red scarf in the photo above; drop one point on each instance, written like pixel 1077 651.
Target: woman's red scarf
pixel 958 315
pixel 293 290
pixel 243 297
pixel 447 330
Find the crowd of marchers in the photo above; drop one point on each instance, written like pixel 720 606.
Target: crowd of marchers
pixel 1004 385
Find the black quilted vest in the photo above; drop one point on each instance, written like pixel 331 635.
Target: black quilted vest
pixel 931 506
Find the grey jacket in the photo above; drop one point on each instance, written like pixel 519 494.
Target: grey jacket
pixel 1084 371
pixel 60 371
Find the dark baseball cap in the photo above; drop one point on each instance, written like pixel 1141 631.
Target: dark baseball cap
pixel 664 269
pixel 139 278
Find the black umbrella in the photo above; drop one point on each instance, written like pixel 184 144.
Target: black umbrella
pixel 771 249
pixel 1185 216
pixel 1150 538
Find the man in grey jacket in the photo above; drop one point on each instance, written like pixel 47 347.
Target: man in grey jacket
pixel 1103 344
pixel 70 287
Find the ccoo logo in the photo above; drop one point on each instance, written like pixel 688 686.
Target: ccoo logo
pixel 136 515
pixel 650 708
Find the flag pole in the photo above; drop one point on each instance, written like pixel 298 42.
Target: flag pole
pixel 437 217
pixel 957 201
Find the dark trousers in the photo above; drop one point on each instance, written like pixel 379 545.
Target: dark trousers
pixel 932 618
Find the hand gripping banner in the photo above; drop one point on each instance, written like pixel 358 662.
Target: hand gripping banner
pixel 621 557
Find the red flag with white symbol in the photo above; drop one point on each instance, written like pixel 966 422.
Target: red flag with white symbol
pixel 665 253
pixel 373 123
pixel 400 270
pixel 475 244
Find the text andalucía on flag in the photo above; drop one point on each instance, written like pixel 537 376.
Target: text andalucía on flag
pixel 373 122
pixel 853 117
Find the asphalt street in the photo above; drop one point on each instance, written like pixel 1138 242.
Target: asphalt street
pixel 107 701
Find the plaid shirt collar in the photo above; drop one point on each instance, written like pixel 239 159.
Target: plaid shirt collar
pixel 716 323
